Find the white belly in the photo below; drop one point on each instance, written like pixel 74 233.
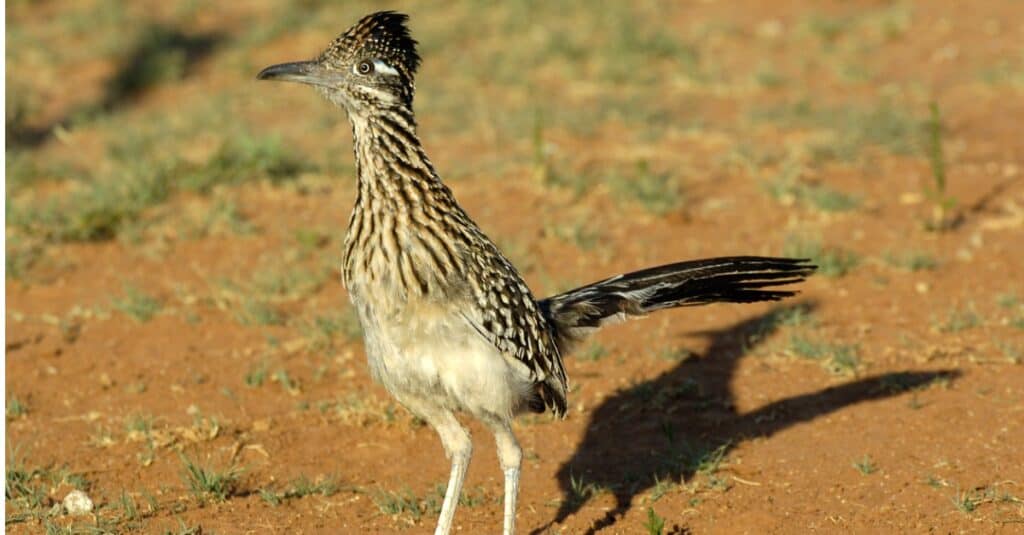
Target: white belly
pixel 427 353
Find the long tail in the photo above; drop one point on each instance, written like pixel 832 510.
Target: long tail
pixel 736 279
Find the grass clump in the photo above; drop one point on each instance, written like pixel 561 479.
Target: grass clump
pixel 94 212
pixel 593 353
pixel 831 261
pixel 27 489
pixel 655 525
pixel 138 305
pixel 206 483
pixel 259 312
pixel 15 408
pixel 403 502
pixel 658 193
pixel 301 487
pixel 865 465
pixel 581 490
pixel 943 216
pixel 957 320
pixel 850 129
pixel 836 358
pixel 244 159
pixel 911 260
pixel 788 188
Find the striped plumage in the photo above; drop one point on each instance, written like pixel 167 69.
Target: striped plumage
pixel 449 324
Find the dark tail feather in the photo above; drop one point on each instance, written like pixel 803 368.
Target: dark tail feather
pixel 736 279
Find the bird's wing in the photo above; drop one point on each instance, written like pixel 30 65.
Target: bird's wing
pixel 506 315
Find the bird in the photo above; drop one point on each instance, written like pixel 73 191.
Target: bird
pixel 450 327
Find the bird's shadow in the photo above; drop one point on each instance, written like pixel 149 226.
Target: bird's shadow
pixel 160 54
pixel 672 426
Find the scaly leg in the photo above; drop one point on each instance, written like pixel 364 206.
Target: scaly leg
pixel 510 456
pixel 459 448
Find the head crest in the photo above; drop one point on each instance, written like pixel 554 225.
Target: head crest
pixel 383 35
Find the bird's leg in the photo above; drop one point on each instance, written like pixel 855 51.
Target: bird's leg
pixel 459 448
pixel 510 455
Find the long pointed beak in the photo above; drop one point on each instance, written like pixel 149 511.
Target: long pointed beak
pixel 305 72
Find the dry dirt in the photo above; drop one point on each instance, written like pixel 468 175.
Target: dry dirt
pixel 707 418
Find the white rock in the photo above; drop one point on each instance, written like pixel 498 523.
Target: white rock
pixel 77 503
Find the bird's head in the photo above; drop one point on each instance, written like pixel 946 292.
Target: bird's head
pixel 371 66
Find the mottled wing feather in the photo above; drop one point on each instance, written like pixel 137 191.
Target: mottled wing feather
pixel 507 315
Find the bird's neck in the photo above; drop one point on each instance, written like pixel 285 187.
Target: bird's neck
pixel 393 169
pixel 404 215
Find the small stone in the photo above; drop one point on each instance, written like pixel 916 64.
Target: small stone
pixel 77 503
pixel 911 197
pixel 922 287
pixel 770 29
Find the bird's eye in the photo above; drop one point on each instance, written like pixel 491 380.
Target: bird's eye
pixel 364 67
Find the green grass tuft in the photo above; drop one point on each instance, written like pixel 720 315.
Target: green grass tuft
pixel 865 465
pixel 16 408
pixel 957 320
pixel 138 305
pixel 831 261
pixel 245 159
pixel 911 260
pixel 836 358
pixel 655 524
pixel 658 193
pixel 206 483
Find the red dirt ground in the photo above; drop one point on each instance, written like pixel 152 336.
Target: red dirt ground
pixel 934 405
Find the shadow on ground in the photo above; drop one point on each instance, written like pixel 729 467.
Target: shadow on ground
pixel 160 54
pixel 667 428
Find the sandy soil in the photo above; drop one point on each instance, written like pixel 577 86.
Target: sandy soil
pixel 709 418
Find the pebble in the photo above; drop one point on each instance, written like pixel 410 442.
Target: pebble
pixel 77 503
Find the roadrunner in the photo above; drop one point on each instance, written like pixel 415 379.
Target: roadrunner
pixel 449 324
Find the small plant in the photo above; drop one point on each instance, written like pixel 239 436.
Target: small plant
pixel 257 375
pixel 1014 355
pixel 787 188
pixel 831 262
pixel 184 529
pixel 911 260
pixel 699 458
pixel 259 312
pixel 242 159
pixel 661 488
pixel 865 465
pixel 966 502
pixel 836 358
pixel 137 305
pixel 301 487
pixel 139 423
pixel 943 215
pixel 958 320
pixel 398 503
pixel 581 490
pixel 130 511
pixel 282 378
pixel 658 193
pixel 655 524
pixel 207 483
pixel 270 497
pixel 27 490
pixel 1007 300
pixel 593 353
pixel 16 408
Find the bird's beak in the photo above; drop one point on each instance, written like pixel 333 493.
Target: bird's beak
pixel 305 72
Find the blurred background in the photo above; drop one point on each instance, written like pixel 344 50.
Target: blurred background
pixel 174 229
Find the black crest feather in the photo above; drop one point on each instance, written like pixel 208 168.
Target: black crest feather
pixel 384 35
